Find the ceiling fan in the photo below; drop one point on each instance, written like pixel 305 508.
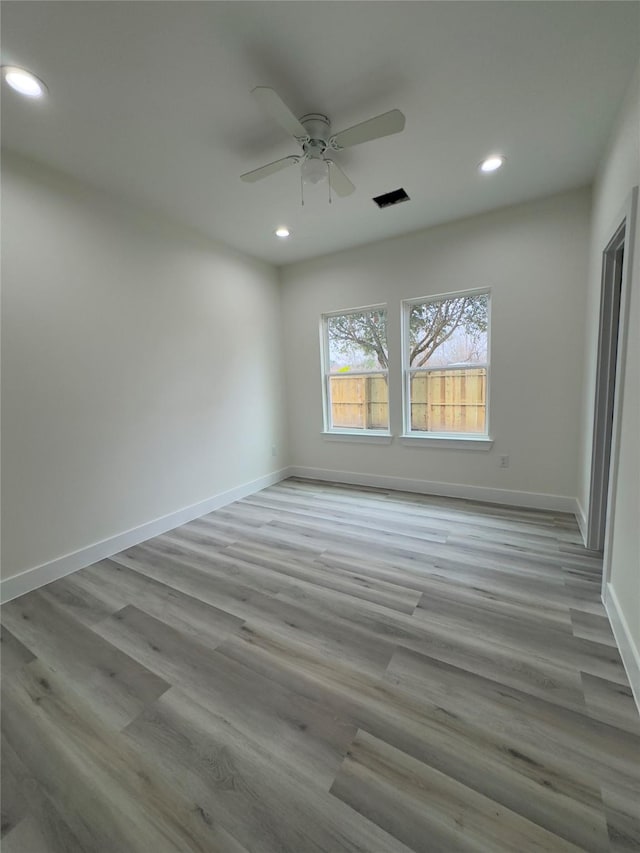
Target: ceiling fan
pixel 313 133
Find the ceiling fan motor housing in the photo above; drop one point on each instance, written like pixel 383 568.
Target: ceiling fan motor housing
pixel 318 128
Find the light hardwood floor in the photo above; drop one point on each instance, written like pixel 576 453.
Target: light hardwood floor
pixel 322 668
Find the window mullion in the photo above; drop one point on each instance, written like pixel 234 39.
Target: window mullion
pixel 483 365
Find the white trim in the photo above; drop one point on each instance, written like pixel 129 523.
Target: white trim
pixel 612 329
pixel 479 365
pixel 379 306
pixel 629 652
pixel 38 576
pixel 581 518
pixel 629 214
pixel 380 371
pixel 447 442
pixel 441 297
pixel 365 435
pixel 532 500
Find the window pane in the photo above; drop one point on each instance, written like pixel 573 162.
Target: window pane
pixel 358 341
pixel 449 332
pixel 359 402
pixel 449 401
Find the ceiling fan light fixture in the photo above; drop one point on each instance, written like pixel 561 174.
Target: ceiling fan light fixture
pixel 315 170
pixel 23 81
pixel 491 164
pixel 282 231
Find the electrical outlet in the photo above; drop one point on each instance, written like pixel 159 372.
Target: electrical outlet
pixel 274 451
pixel 503 461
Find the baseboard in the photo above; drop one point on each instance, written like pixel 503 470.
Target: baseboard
pixel 581 518
pixel 629 651
pixel 531 500
pixel 45 573
pixel 40 575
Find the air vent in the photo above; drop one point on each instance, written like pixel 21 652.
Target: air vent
pixel 389 199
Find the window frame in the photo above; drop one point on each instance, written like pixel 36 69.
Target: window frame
pixel 328 429
pixel 481 439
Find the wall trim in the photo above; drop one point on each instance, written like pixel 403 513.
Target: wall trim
pixel 45 573
pixel 629 652
pixel 629 215
pixel 532 500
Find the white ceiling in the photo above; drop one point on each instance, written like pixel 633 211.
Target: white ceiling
pixel 151 100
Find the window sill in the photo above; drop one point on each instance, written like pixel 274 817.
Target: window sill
pixel 448 442
pixel 360 435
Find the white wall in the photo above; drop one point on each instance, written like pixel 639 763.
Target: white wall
pixel 619 172
pixel 141 367
pixel 534 258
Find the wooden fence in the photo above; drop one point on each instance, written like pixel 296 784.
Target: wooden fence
pixel 441 401
pixel 359 402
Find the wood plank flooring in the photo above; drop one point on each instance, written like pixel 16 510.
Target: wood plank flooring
pixel 322 668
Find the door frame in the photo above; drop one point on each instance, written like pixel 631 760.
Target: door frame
pixel 611 358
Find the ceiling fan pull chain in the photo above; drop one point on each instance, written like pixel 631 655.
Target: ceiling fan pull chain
pixel 329 164
pixel 301 189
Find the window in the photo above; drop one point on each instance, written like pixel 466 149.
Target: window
pixel 356 391
pixel 446 365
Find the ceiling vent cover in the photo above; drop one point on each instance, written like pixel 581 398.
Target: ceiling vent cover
pixel 389 199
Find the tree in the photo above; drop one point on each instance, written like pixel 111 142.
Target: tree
pixel 433 323
pixel 353 335
pixel 430 325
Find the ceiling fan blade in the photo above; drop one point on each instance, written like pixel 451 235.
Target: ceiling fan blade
pixel 373 128
pixel 272 103
pixel 340 183
pixel 269 169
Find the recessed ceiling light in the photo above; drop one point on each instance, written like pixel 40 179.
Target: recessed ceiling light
pixel 23 81
pixel 282 231
pixel 491 163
